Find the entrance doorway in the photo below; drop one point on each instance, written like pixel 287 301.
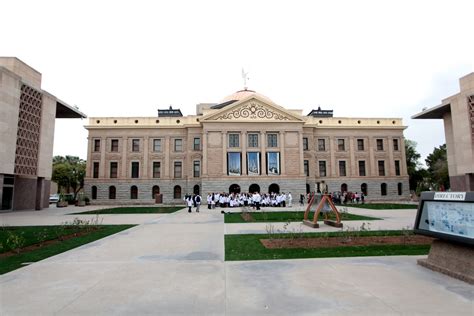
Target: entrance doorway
pixel 254 188
pixel 343 187
pixel 196 189
pixel 7 198
pixel 363 188
pixel 274 188
pixel 234 188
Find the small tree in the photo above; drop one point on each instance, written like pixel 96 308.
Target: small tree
pixel 437 163
pixel 69 173
pixel 418 176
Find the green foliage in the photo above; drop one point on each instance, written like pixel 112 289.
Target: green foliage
pixel 15 241
pixel 437 163
pixel 69 172
pixel 135 210
pixel 249 247
pixel 417 174
pixel 288 217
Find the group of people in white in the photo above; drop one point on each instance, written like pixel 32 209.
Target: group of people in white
pixel 248 199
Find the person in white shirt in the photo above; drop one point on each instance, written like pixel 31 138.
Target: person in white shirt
pixel 290 199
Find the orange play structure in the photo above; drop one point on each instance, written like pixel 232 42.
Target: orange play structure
pixel 325 205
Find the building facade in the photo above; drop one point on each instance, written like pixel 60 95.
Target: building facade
pixel 27 119
pixel 457 112
pixel 245 143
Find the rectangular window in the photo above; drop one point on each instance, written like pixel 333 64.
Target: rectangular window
pixel 362 168
pixel 395 145
pixel 342 168
pixel 96 144
pixel 360 144
pixel 234 140
pixel 113 169
pixel 305 143
pixel 156 169
pixel 381 167
pixel 233 164
pixel 157 145
pixel 114 145
pixel 379 144
pixel 252 140
pixel 178 169
pixel 321 144
pixel 272 140
pixel 178 145
pixel 322 168
pixel 306 168
pixel 95 171
pixel 135 169
pixel 197 143
pixel 397 167
pixel 197 168
pixel 273 163
pixel 253 163
pixel 135 145
pixel 341 144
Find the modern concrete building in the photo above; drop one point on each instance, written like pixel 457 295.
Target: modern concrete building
pixel 457 112
pixel 27 117
pixel 244 143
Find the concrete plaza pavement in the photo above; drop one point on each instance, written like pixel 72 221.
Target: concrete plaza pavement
pixel 173 264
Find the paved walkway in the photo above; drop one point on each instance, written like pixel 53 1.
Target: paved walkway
pixel 173 264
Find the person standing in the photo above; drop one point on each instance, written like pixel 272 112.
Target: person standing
pixel 290 199
pixel 197 201
pixel 189 202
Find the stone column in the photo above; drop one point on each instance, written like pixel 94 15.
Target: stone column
pixel 332 149
pixel 146 173
pixel 224 153
pixel 167 163
pixel 373 166
pixel 391 160
pixel 263 140
pixel 123 174
pixel 244 152
pixel 352 162
pixel 204 154
pixel 103 145
pixel 403 159
pixel 282 152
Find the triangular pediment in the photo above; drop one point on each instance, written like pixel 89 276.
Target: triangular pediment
pixel 252 109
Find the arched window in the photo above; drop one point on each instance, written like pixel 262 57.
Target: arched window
pixel 196 189
pixel 400 188
pixel 177 192
pixel 134 192
pixel 155 191
pixel 94 192
pixel 343 187
pixel 363 188
pixel 274 188
pixel 254 188
pixel 383 189
pixel 234 188
pixel 112 192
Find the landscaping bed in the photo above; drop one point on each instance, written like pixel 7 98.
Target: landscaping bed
pixel 245 217
pixel 134 210
pixel 20 246
pixel 383 206
pixel 339 244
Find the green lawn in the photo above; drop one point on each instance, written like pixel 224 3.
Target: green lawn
pixel 135 210
pixel 289 216
pixel 249 247
pixel 384 206
pixel 34 234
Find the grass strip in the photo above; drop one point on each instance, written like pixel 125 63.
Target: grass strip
pixel 14 262
pixel 134 210
pixel 383 206
pixel 249 247
pixel 290 216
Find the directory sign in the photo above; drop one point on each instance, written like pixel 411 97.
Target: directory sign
pixel 446 215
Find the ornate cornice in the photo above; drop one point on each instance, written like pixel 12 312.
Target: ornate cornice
pixel 253 110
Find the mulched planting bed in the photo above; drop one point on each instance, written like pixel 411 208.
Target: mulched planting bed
pixel 321 242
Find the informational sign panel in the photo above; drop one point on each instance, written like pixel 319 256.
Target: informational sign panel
pixel 446 215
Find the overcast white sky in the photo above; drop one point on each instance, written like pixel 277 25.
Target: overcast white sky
pixel 359 58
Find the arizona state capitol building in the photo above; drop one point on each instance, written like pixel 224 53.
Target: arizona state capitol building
pixel 245 143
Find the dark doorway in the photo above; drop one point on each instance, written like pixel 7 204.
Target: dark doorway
pixel 400 188
pixel 274 188
pixel 343 187
pixel 154 191
pixel 7 198
pixel 112 192
pixel 308 188
pixel 383 189
pixel 363 188
pixel 177 192
pixel 196 189
pixel 254 188
pixel 234 188
pixel 94 192
pixel 134 192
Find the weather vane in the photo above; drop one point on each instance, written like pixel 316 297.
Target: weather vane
pixel 245 77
